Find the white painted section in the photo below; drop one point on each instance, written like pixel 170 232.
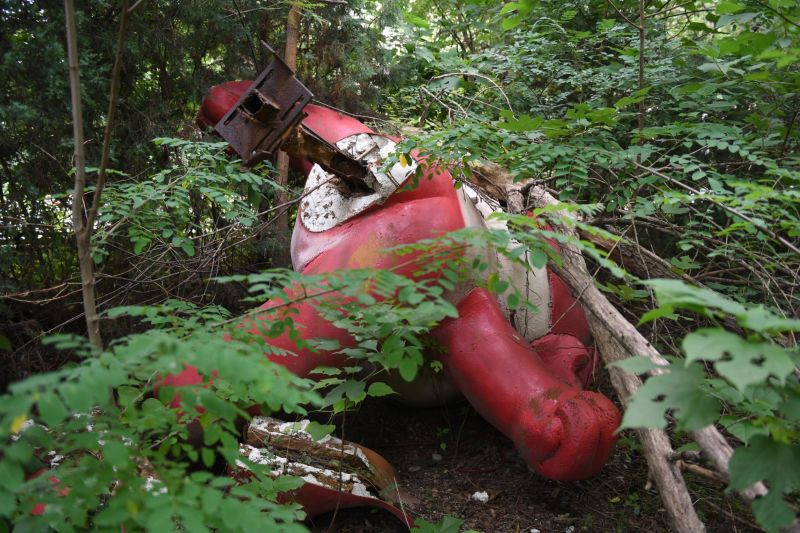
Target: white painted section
pixel 531 282
pixel 325 206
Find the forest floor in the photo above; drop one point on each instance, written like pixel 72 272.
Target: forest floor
pixel 445 455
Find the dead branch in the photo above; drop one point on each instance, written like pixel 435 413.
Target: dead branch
pixel 605 319
pixel 111 115
pixel 656 445
pixel 756 223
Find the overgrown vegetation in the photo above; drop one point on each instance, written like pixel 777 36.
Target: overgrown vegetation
pixel 673 123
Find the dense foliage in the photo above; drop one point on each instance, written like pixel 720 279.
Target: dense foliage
pixel 673 123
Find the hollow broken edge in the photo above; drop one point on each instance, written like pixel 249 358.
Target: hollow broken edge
pixel 337 474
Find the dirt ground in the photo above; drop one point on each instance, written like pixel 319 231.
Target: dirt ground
pixel 444 455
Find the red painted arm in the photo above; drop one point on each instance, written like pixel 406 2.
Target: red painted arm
pixel 563 432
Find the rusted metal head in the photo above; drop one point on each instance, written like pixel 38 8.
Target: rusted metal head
pixel 265 114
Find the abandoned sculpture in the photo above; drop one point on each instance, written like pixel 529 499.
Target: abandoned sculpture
pixel 523 372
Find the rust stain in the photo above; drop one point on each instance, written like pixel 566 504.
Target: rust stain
pixel 535 406
pixel 367 253
pixel 552 394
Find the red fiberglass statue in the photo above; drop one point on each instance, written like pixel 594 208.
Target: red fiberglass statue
pixel 523 372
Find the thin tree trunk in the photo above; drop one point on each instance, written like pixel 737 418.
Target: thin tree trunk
pixel 82 232
pixel 641 71
pixel 83 225
pixel 281 256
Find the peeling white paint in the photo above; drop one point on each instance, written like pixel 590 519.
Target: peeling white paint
pixel 325 206
pixel 309 473
pixel 360 489
pixel 279 429
pixel 23 427
pixel 55 460
pixel 154 486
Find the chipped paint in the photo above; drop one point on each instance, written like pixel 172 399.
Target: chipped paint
pixel 277 430
pixel 326 205
pixel 324 477
pixel 155 486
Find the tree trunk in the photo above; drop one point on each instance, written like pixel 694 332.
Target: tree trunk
pixel 82 231
pixel 281 256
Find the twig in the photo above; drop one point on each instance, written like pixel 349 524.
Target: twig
pixel 733 211
pixel 716 477
pixel 621 14
pixel 112 113
pixel 477 75
pixel 134 6
pixel 781 15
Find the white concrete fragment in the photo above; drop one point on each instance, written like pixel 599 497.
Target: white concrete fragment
pixel 359 489
pixel 481 497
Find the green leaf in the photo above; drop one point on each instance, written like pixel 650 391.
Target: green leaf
pixel 378 389
pixel 449 524
pixel 523 123
pixel 778 465
pixel 740 361
pixel 676 293
pixel 116 453
pixel 679 389
pixel 638 364
pixel 408 369
pixel 742 429
pixel 319 431
pixel 140 244
pixel 51 409
pixel 414 20
pixel 207 456
pixel 11 476
pixel 8 503
pixel 726 7
pixel 188 248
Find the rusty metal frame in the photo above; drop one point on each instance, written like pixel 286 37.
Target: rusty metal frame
pixel 262 118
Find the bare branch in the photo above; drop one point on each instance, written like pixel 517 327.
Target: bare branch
pixel 621 14
pixel 111 115
pixel 483 77
pixel 758 224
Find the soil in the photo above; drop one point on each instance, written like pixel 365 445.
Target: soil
pixel 445 455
